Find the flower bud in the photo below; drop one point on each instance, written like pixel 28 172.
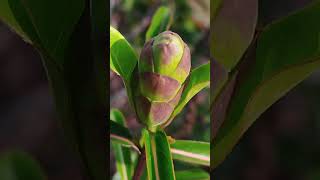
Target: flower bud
pixel 163 67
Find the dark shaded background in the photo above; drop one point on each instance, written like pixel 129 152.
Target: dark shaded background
pixel 191 22
pixel 283 144
pixel 28 121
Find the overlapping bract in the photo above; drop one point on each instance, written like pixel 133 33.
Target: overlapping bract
pixel 164 66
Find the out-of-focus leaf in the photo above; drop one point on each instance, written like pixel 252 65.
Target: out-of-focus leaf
pixel 200 12
pixel 63 32
pixel 199 79
pixel 7 17
pixel 194 152
pixel 122 153
pixel 220 106
pixel 192 174
pixel 272 10
pixel 49 30
pixel 76 86
pixel 232 30
pixel 214 6
pixel 158 156
pixel 118 131
pixel 123 58
pixel 160 22
pixel 19 166
pixel 287 52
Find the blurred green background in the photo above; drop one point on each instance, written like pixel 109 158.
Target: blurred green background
pixel 283 144
pixel 192 22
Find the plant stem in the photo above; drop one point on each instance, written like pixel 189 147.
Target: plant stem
pixel 140 166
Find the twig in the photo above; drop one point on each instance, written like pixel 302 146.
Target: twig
pixel 140 166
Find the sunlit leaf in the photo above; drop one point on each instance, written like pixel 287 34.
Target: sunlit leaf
pixel 160 22
pixel 192 174
pixel 118 131
pixel 199 79
pixel 158 156
pixel 122 56
pixel 122 136
pixel 194 152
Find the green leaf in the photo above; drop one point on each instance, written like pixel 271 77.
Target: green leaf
pixel 7 17
pixel 123 61
pixel 214 6
pixel 199 79
pixel 63 32
pixel 160 22
pixel 47 29
pixel 118 131
pixel 287 53
pixel 17 165
pixel 194 152
pixel 232 30
pixel 122 56
pixel 192 174
pixel 79 99
pixel 158 156
pixel 122 136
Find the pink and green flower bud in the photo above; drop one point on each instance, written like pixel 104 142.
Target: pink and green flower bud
pixel 164 66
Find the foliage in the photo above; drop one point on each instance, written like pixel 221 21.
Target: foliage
pixel 15 165
pixel 278 57
pixel 70 37
pixel 158 149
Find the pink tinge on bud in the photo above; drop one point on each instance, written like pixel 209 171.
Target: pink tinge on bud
pixel 158 87
pixel 183 69
pixel 160 112
pixel 185 63
pixel 164 65
pixel 146 58
pixel 156 113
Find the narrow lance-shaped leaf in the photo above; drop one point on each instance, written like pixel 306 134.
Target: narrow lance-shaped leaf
pixel 160 22
pixel 192 174
pixel 122 154
pixel 194 152
pixel 232 30
pixel 287 52
pixel 158 156
pixel 118 132
pixel 199 79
